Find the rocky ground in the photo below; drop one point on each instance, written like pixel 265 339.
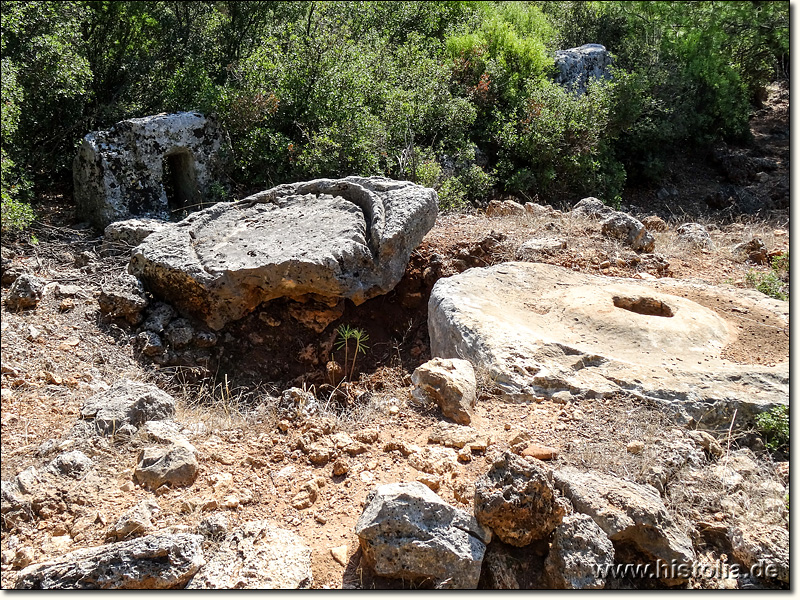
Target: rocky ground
pixel 266 431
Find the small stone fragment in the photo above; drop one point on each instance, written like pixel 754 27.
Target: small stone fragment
pixel 540 452
pixel 176 465
pixel 635 447
pixel 339 554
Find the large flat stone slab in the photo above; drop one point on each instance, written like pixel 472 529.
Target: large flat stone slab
pixel 324 239
pixel 540 329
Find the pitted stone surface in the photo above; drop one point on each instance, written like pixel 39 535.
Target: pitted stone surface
pixel 541 329
pixel 257 555
pixel 324 239
pixel 119 173
pixel 577 65
pixel 407 531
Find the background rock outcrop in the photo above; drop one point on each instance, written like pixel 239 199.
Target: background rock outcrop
pixel 148 167
pixel 577 66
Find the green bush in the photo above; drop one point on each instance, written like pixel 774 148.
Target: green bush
pixel 453 196
pixel 774 427
pixel 775 282
pixel 311 89
pixel 767 283
pixel 559 142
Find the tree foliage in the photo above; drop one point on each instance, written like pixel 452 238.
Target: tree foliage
pixel 455 94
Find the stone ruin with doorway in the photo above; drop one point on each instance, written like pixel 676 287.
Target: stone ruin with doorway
pixel 161 166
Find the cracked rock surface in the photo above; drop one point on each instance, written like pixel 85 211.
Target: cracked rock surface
pixel 324 239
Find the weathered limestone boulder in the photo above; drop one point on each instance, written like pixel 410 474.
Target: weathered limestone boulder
pixel 629 230
pixel 323 240
pixel 577 66
pixel 592 207
pixel 517 501
pixel 504 208
pixel 580 553
pixel 450 383
pixel 257 555
pixel 129 233
pixel 631 515
pixel 407 531
pixel 765 546
pixel 123 298
pixel 73 464
pixel 540 329
pixel 25 292
pixel 148 167
pixel 154 562
pixel 175 465
pixel 127 402
pixel 695 235
pixel 536 248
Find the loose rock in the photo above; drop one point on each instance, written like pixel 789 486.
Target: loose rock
pixel 517 501
pixel 25 292
pixel 127 402
pixel 580 553
pixel 695 235
pixel 534 249
pixel 655 223
pixel 136 521
pixel 407 531
pixel 73 464
pixel 628 230
pixel 258 555
pixel 768 546
pixel 153 562
pixel 630 514
pixel 754 251
pixel 175 465
pixel 450 383
pixel 504 208
pixel 592 207
pixel 123 299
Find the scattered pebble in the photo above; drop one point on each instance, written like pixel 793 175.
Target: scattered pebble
pixel 635 447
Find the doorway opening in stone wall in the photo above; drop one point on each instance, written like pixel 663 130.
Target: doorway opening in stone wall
pixel 180 183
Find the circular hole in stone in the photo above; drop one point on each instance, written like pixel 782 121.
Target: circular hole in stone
pixel 643 306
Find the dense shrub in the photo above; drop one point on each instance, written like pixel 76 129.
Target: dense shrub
pixel 403 89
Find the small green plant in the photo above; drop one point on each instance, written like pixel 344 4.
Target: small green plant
pixel 767 283
pixel 358 336
pixel 774 426
pixel 780 264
